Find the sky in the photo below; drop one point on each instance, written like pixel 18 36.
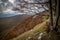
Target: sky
pixel 12 1
pixel 29 9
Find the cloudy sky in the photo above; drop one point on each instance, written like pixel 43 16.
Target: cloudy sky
pixel 29 9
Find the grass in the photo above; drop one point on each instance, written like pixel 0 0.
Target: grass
pixel 37 29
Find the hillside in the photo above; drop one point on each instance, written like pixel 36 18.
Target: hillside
pixel 9 22
pixel 24 24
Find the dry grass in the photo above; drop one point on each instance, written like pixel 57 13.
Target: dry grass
pixel 37 29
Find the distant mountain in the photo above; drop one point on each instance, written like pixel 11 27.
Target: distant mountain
pixel 9 14
pixel 6 23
